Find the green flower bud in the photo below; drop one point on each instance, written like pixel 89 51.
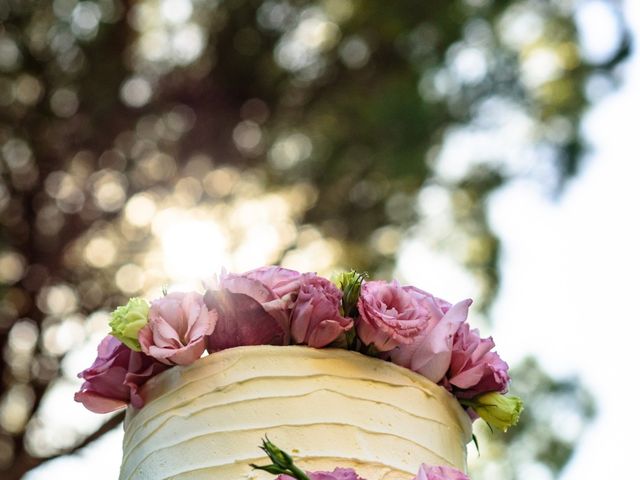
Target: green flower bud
pixel 500 411
pixel 127 320
pixel 282 462
pixel 277 456
pixel 349 283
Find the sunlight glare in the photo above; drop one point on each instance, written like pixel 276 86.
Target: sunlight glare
pixel 193 250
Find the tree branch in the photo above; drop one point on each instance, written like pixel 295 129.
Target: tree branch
pixel 26 462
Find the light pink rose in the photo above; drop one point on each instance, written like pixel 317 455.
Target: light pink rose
pixel 475 369
pixel 281 281
pixel 390 315
pixel 337 474
pixel 178 326
pixel 430 353
pixel 316 319
pixel 439 473
pixel 115 377
pixel 250 312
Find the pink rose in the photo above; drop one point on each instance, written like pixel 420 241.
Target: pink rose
pixel 250 312
pixel 390 315
pixel 439 473
pixel 474 368
pixel 115 377
pixel 281 281
pixel 337 474
pixel 177 328
pixel 316 319
pixel 430 353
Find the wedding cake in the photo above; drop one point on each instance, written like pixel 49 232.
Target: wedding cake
pixel 378 379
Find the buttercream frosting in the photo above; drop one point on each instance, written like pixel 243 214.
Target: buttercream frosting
pixel 327 407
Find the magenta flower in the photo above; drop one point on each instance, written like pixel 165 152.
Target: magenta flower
pixel 337 474
pixel 390 315
pixel 475 369
pixel 249 310
pixel 316 319
pixel 115 377
pixel 177 328
pixel 439 473
pixel 430 353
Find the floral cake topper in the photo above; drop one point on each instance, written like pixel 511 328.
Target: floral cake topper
pixel 278 306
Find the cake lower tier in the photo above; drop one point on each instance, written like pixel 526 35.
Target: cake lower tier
pixel 326 407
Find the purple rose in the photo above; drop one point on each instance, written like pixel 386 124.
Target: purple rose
pixel 337 474
pixel 115 377
pixel 475 369
pixel 316 319
pixel 250 312
pixel 390 315
pixel 178 326
pixel 430 353
pixel 439 473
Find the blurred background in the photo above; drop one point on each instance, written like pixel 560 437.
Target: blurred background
pixel 475 148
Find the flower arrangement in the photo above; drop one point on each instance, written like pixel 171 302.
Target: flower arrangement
pixel 278 306
pixel 283 466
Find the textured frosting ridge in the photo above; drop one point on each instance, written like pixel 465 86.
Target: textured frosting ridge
pixel 327 407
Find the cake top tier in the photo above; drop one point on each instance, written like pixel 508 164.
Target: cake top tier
pixel 240 364
pixel 330 407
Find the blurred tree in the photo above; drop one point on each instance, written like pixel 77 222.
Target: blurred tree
pixel 306 129
pixel 555 415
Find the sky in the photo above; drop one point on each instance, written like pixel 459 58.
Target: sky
pixel 569 270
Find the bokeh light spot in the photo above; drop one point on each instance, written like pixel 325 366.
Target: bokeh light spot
pixel 109 190
pixel 220 182
pixel 15 408
pixel 64 102
pixel 187 192
pixel 59 338
pixel 100 252
pixel 247 136
pixel 600 30
pixel 17 154
pixel 10 56
pixel 176 11
pixel 23 336
pixel 386 240
pixel 130 278
pixel 57 300
pixel 140 209
pixel 354 52
pixel 49 220
pixel 85 19
pixel 28 90
pixel 193 249
pixel 187 43
pixel 290 150
pixel 157 166
pixel 12 267
pixel 136 92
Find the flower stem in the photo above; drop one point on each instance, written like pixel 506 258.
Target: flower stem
pixel 282 462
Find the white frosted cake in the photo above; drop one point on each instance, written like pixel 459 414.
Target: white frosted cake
pixel 327 407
